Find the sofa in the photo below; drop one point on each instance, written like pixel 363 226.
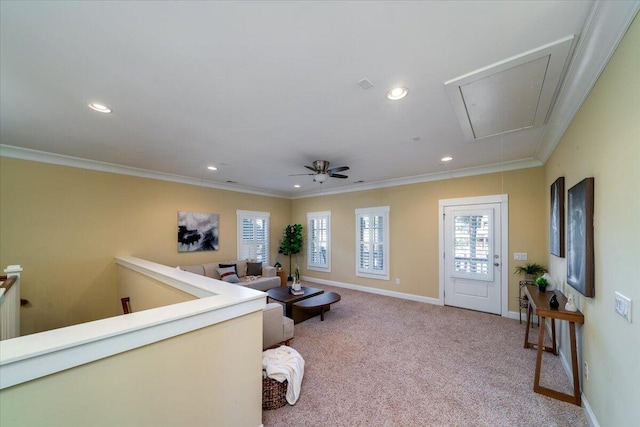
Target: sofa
pixel 247 273
pixel 276 327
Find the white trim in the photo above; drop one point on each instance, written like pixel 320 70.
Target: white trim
pixel 76 162
pixel 374 211
pixel 33 356
pixel 515 316
pixel 240 215
pixel 13 269
pixel 370 290
pixel 320 215
pixel 186 283
pixel 557 53
pixel 417 179
pixel 503 200
pixel 588 412
pixel 253 214
pixel 605 28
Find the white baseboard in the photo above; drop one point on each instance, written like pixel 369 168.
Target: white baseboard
pixel 591 417
pixel 516 316
pixel 385 292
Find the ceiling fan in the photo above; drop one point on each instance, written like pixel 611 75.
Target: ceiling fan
pixel 321 171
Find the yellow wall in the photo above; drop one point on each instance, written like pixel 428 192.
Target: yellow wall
pixel 603 142
pixel 65 225
pixel 175 382
pixel 145 293
pixel 414 227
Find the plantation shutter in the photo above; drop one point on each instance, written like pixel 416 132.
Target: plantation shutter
pixel 253 236
pixel 472 247
pixel 372 242
pixel 318 241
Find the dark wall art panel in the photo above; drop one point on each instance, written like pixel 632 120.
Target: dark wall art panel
pixel 556 219
pixel 580 258
pixel 197 232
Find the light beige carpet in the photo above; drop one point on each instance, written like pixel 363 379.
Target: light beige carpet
pixel 382 361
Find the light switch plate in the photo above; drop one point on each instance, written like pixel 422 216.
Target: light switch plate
pixel 520 256
pixel 623 306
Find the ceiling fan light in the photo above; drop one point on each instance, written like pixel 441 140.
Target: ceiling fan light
pixel 320 177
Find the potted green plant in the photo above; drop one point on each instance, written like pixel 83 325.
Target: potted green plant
pixel 542 284
pixel 531 270
pixel 291 243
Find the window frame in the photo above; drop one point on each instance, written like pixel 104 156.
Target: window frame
pixel 326 267
pixel 370 273
pixel 253 215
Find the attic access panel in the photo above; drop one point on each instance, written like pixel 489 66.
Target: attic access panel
pixel 510 95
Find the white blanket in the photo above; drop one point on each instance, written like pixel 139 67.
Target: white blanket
pixel 284 363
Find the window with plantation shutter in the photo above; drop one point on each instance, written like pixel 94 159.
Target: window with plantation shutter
pixel 319 241
pixel 372 242
pixel 472 246
pixel 253 236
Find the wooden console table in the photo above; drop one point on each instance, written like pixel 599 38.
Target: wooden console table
pixel 539 303
pixel 283 277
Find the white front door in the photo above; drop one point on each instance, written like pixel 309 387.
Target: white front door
pixel 472 257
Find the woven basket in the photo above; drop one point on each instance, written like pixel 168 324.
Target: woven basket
pixel 274 394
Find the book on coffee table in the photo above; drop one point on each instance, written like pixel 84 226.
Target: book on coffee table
pixel 297 293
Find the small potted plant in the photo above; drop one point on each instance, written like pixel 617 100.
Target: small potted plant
pixel 542 284
pixel 531 271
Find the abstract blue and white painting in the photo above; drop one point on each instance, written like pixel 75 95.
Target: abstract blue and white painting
pixel 197 231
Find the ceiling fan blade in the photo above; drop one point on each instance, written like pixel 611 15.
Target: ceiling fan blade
pixel 338 169
pixel 300 174
pixel 337 175
pixel 310 168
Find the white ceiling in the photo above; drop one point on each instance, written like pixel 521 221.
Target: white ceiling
pixel 260 89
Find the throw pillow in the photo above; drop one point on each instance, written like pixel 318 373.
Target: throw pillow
pixel 254 269
pixel 235 267
pixel 228 275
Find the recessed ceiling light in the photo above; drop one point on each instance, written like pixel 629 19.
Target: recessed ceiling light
pixel 212 168
pixel 446 159
pixel 297 186
pixel 397 93
pixel 99 108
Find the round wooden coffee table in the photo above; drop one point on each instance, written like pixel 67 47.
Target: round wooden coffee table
pixel 283 295
pixel 322 302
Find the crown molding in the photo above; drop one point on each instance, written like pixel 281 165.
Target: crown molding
pixel 76 162
pixel 417 179
pixel 605 28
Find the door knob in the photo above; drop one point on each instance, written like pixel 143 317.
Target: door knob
pixel 497 264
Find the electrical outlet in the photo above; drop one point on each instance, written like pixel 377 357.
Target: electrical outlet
pixel 520 256
pixel 586 370
pixel 397 280
pixel 623 306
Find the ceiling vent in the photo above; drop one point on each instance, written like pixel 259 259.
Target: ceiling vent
pixel 511 95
